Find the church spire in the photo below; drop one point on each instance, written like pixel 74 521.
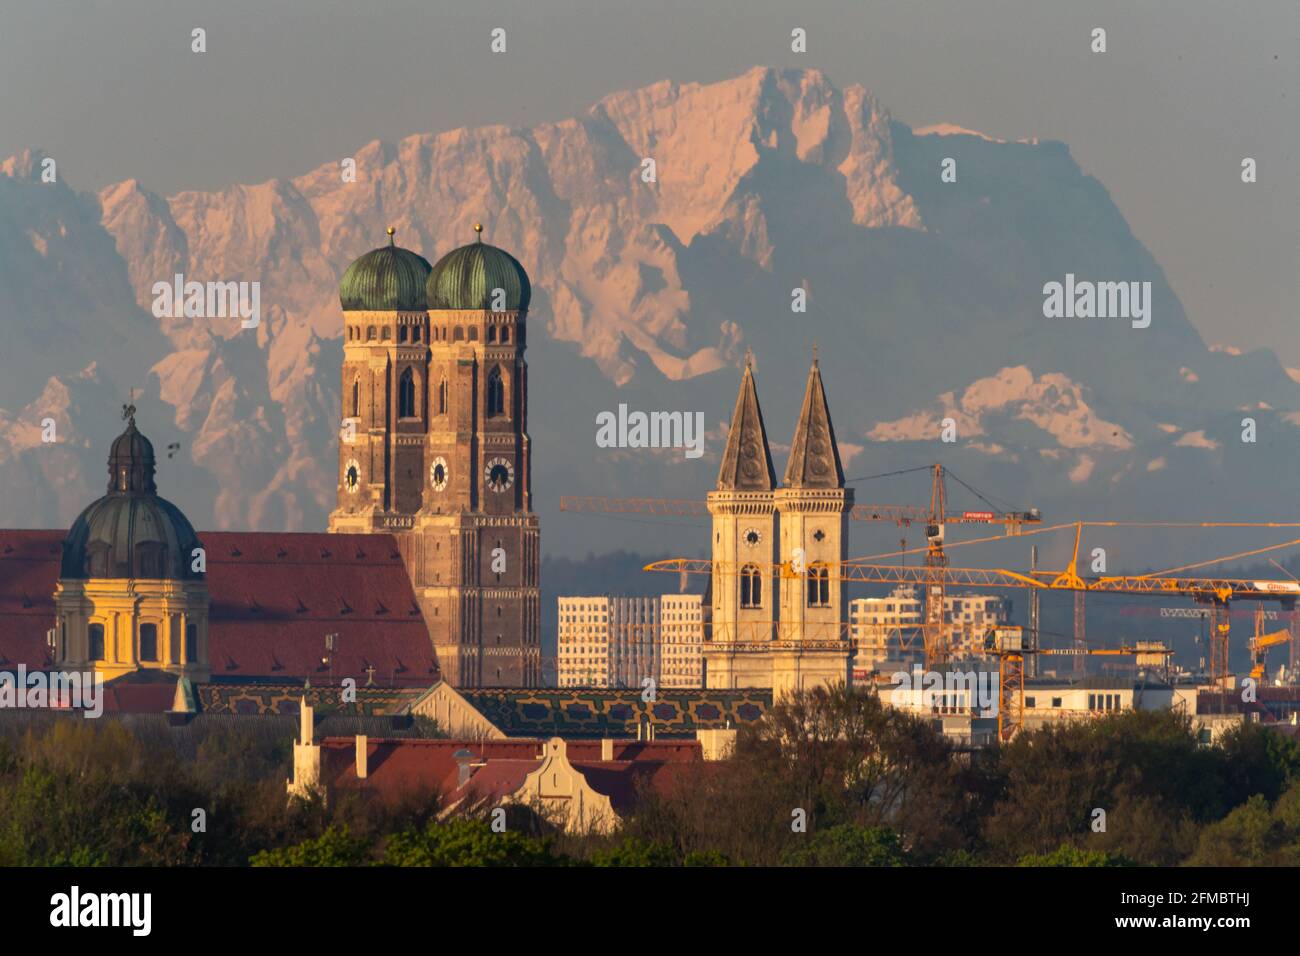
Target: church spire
pixel 747 462
pixel 814 456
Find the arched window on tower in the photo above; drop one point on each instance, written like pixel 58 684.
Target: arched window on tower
pixel 751 586
pixel 356 398
pixel 496 393
pixel 442 397
pixel 406 395
pixel 819 586
pixel 96 642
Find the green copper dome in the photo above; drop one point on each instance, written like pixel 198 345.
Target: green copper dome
pixel 466 278
pixel 389 278
pixel 130 532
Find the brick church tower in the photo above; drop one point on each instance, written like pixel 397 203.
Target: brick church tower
pixel 434 448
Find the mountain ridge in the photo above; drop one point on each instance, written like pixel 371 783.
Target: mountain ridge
pixel 925 297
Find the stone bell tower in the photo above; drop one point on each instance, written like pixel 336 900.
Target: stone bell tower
pixel 435 387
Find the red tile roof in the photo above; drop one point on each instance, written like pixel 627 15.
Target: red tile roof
pixel 274 597
pixel 397 768
pixel 626 781
pixel 402 767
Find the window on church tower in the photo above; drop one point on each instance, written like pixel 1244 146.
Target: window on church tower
pixel 492 333
pixel 442 397
pixel 401 333
pixel 473 333
pixel 819 586
pixel 751 587
pixel 459 335
pixel 496 393
pixel 356 398
pixel 97 642
pixel 406 395
pixel 148 642
pixel 191 643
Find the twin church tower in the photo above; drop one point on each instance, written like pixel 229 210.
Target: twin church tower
pixel 777 603
pixel 434 449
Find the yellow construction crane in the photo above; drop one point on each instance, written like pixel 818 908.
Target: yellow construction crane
pixel 1218 592
pixel 1261 642
pixel 935 518
pixel 1008 645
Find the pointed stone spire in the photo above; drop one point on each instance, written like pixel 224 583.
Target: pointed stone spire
pixel 814 456
pixel 747 462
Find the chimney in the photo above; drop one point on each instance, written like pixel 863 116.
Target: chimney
pixel 363 769
pixel 464 766
pixel 606 749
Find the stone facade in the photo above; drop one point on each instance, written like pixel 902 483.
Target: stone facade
pixel 790 637
pixel 434 451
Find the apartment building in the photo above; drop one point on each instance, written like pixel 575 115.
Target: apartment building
pixel 607 641
pixel 889 628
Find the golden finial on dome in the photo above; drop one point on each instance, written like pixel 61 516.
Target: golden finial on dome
pixel 390 232
pixel 478 228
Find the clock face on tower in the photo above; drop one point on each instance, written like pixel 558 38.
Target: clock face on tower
pixel 753 537
pixel 499 475
pixel 438 474
pixel 352 476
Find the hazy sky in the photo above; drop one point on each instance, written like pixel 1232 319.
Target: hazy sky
pixel 1186 90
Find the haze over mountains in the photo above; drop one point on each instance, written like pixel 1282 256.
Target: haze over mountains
pixel 924 297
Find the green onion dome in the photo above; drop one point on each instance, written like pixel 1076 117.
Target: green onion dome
pixel 466 278
pixel 386 279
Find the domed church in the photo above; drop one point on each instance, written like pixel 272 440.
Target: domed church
pixel 430 569
pixel 131 594
pixel 434 448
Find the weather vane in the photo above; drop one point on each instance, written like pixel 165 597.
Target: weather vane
pixel 128 410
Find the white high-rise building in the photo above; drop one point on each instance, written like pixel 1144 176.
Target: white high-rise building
pixel 889 628
pixel 608 642
pixel 582 658
pixel 681 637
